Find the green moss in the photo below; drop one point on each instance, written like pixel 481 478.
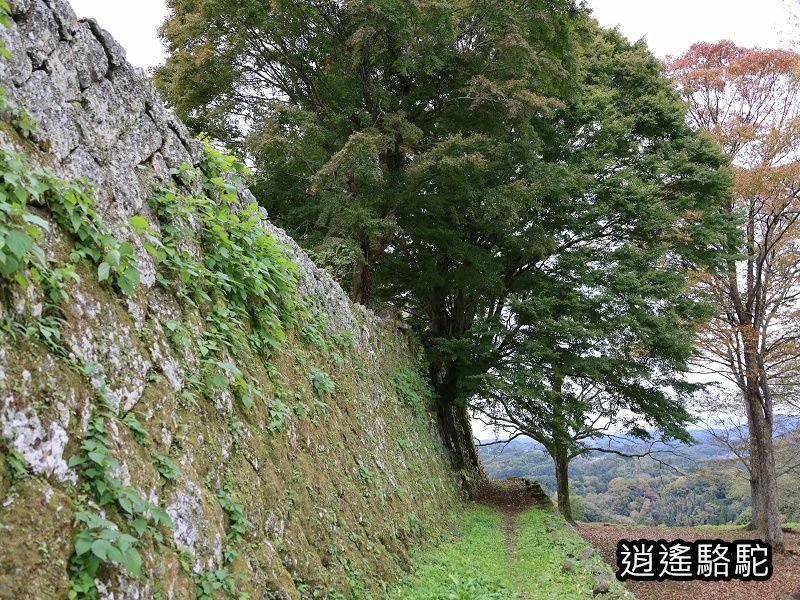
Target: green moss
pixel 36 541
pixel 285 416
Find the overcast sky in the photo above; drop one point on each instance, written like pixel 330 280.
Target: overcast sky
pixel 669 27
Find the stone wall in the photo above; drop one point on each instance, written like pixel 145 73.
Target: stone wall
pixel 335 495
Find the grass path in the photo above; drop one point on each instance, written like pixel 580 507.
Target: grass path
pixel 505 547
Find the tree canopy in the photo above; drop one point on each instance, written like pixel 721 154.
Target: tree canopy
pixel 516 179
pixel 749 100
pixel 600 335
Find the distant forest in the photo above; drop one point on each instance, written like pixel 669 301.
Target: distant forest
pixel 707 486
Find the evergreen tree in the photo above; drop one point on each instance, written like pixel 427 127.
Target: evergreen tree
pixel 598 335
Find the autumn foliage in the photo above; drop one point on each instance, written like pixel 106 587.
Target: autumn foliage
pixel 748 100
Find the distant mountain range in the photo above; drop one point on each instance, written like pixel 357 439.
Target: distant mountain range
pixel 703 437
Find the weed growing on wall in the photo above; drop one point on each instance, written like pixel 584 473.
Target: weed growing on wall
pixel 26 195
pixel 217 255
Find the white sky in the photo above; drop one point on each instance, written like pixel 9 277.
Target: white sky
pixel 671 27
pixel 668 27
pixel 133 24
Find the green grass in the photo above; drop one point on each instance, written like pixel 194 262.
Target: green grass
pixel 792 526
pixel 476 563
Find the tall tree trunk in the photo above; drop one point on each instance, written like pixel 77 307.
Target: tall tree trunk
pixel 770 516
pixel 361 284
pixel 561 460
pixel 756 496
pixel 766 508
pixel 455 426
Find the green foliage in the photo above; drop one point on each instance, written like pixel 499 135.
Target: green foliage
pixel 72 207
pixel 705 489
pixel 412 389
pixel 208 584
pixel 242 263
pixel 17 465
pixel 600 333
pixel 539 189
pixel 177 334
pixel 140 434
pixel 364 473
pixel 332 161
pixel 100 539
pixel 238 525
pixel 321 382
pixel 244 280
pixel 279 412
pixel 22 229
pixel 166 468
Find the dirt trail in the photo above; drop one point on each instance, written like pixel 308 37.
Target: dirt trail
pixel 510 497
pixel 784 582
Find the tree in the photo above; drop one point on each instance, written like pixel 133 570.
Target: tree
pixel 748 100
pixel 388 125
pixel 427 139
pixel 334 100
pixel 600 337
pixel 728 431
pixel 616 178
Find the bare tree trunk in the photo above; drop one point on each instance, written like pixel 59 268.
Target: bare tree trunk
pixel 361 283
pixel 766 508
pixel 770 516
pixel 455 427
pixel 561 460
pixel 756 495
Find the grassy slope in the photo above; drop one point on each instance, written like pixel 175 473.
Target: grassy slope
pixel 477 564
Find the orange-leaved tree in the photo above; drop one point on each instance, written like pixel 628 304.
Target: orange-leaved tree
pixel 749 100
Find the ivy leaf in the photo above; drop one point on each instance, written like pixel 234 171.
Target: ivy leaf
pixel 8 264
pixel 132 561
pixel 36 220
pixel 82 544
pixel 75 219
pixel 230 368
pixel 132 275
pixel 112 257
pixel 217 381
pixel 139 525
pixel 139 223
pixel 98 457
pixel 115 555
pixel 76 460
pixel 125 284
